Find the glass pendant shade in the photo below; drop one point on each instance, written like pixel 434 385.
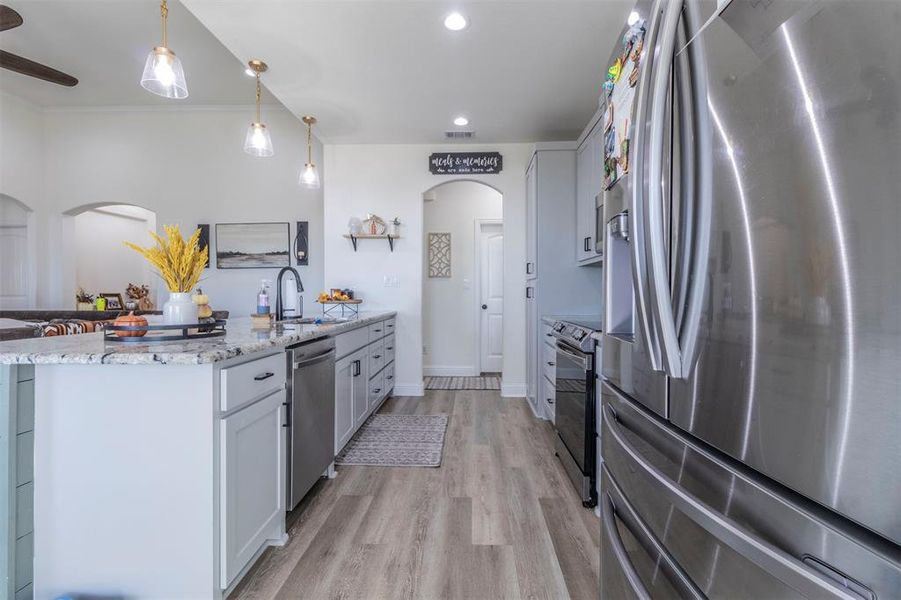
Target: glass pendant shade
pixel 309 177
pixel 163 74
pixel 257 141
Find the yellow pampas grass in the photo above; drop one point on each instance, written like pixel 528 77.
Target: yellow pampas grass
pixel 180 262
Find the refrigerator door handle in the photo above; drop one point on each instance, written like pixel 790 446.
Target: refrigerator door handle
pixel 771 559
pixel 639 257
pixel 659 286
pixel 619 551
pixel 697 195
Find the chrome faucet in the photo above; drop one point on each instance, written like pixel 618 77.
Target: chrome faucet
pixel 279 303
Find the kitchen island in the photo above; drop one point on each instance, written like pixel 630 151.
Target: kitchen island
pixel 160 468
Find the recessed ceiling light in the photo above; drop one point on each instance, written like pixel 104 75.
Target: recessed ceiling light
pixel 455 21
pixel 633 18
pixel 461 121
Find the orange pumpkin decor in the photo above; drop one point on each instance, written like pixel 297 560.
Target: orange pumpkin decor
pixel 130 320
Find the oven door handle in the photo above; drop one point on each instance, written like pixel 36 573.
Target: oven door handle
pixel 584 360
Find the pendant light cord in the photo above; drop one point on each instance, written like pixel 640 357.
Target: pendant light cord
pixel 310 143
pixel 164 15
pixel 259 97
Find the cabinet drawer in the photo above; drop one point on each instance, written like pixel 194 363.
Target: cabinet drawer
pixel 376 356
pixel 376 389
pixel 389 349
pixel 390 326
pixel 389 378
pixel 351 342
pixel 547 332
pixel 376 331
pixel 242 383
pixel 550 399
pixel 549 361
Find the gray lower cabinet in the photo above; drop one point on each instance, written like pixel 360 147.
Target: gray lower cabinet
pixel 358 388
pixel 252 492
pixel 16 479
pixel 364 376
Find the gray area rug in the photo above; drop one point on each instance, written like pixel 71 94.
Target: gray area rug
pixel 489 382
pixel 397 441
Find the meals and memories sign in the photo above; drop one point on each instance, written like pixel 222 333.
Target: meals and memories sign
pixel 465 163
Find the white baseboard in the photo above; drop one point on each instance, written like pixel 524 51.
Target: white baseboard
pixel 438 371
pixel 409 389
pixel 513 390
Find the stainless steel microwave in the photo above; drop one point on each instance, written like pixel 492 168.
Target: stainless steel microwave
pixel 599 225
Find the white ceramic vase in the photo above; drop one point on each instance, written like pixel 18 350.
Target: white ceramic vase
pixel 179 309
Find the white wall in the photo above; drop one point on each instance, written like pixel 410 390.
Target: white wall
pixel 21 178
pixel 449 328
pixel 389 180
pixel 103 263
pixel 187 165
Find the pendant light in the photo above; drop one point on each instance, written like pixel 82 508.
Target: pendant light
pixel 163 74
pixel 309 177
pixel 257 141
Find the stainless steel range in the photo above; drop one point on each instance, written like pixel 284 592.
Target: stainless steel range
pixel 575 411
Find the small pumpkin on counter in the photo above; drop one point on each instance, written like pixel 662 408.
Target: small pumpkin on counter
pixel 131 320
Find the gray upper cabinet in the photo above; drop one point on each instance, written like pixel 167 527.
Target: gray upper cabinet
pixel 589 182
pixel 531 266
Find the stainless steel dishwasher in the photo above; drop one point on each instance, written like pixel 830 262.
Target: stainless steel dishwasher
pixel 310 415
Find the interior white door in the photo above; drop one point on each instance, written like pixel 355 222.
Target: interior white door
pixel 491 288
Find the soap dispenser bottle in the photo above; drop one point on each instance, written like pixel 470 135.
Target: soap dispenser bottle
pixel 263 298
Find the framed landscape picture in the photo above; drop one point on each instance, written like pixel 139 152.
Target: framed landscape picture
pixel 252 245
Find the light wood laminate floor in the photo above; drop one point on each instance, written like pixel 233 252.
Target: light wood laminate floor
pixel 498 519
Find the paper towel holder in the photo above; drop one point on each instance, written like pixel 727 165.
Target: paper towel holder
pixel 302 244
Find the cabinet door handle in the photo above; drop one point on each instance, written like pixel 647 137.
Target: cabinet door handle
pixel 588 244
pixel 549 401
pixel 390 348
pixel 551 364
pixel 287 422
pixel 357 368
pixel 376 356
pixel 389 377
pixel 376 390
pixel 263 376
pixel 530 292
pixel 530 268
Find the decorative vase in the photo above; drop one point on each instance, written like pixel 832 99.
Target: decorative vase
pixel 85 306
pixel 179 309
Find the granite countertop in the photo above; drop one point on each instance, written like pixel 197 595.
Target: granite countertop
pixel 240 339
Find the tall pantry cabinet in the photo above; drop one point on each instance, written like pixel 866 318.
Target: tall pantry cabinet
pixel 555 284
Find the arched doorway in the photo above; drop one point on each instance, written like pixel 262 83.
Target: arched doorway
pixel 17 268
pixel 101 263
pixel 462 295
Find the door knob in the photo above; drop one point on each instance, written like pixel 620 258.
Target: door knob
pixel 484 307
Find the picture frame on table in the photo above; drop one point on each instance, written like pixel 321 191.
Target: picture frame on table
pixel 113 301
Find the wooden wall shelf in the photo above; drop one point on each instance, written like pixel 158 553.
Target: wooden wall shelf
pixel 354 238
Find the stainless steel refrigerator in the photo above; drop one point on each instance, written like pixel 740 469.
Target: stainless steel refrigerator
pixel 751 372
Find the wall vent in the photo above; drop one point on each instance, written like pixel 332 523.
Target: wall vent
pixel 459 135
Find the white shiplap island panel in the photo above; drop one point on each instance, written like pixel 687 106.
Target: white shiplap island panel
pixel 130 460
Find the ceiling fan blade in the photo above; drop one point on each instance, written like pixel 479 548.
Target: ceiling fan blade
pixel 16 63
pixel 9 18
